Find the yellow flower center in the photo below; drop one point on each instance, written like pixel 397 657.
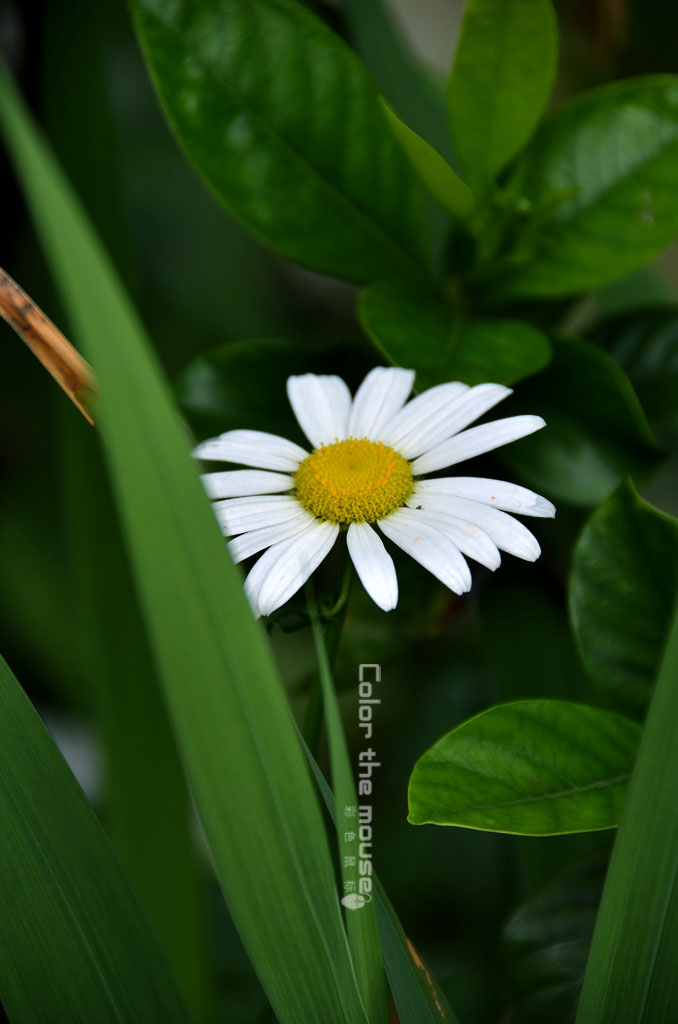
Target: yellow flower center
pixel 353 481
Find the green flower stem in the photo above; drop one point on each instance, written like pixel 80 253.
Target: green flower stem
pixel 361 924
pixel 337 611
pixel 334 617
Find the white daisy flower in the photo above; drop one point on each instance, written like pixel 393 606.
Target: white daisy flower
pixel 369 458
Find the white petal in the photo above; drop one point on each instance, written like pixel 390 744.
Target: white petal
pixel 236 515
pixel 256 540
pixel 465 535
pixel 476 441
pixel 380 396
pixel 322 406
pixel 373 564
pixel 430 548
pixel 236 483
pixel 497 493
pixel 286 566
pixel 410 426
pixel 462 411
pixel 506 532
pixel 252 448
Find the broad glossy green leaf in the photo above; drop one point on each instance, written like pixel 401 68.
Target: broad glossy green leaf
pixel 631 972
pixel 443 183
pixel 546 945
pixel 74 945
pixel 501 80
pixel 283 122
pixel 596 431
pixel 646 345
pixel 233 725
pixel 623 582
pixel 413 326
pixel 532 767
pixel 612 155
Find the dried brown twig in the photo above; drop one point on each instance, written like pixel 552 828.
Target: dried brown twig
pixel 46 341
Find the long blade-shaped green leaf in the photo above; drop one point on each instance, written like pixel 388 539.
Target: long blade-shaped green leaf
pixel 147 810
pixel 74 945
pixel 363 930
pixel 631 973
pixel 232 722
pixel 415 991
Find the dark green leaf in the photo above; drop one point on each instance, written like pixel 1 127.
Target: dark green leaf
pixel 501 80
pixel 546 943
pixel 242 384
pixel 533 767
pixel 284 123
pixel 414 327
pixel 596 432
pixel 230 716
pixel 443 183
pixel 646 345
pixel 624 578
pixel 74 945
pixel 612 155
pixel 631 972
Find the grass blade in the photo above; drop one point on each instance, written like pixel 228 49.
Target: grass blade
pixel 415 991
pixel 416 994
pixel 74 945
pixel 631 973
pixel 233 725
pixel 146 811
